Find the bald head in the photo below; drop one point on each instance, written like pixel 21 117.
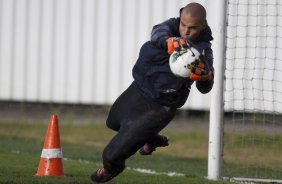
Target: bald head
pixel 194 10
pixel 192 21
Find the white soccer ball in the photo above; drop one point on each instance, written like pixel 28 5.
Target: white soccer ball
pixel 180 62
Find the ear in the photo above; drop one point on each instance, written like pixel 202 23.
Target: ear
pixel 205 24
pixel 180 11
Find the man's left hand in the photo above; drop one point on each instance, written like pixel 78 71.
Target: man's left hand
pixel 201 72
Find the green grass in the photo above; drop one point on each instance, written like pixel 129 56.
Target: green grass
pixel 21 146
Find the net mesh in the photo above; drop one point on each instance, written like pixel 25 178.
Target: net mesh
pixel 253 89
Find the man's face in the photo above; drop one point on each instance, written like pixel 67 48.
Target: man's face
pixel 190 27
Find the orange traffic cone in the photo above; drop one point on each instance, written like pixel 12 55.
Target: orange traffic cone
pixel 51 163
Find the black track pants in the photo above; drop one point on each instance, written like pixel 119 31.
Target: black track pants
pixel 137 121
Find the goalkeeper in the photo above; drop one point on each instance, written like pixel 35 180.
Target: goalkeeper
pixel 151 101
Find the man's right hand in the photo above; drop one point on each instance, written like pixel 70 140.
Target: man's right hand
pixel 176 44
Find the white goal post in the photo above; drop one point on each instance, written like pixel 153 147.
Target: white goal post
pixel 216 110
pixel 246 100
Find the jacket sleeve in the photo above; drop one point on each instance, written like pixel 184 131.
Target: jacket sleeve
pixel 161 32
pixel 205 86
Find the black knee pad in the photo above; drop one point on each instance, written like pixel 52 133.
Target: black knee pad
pixel 112 126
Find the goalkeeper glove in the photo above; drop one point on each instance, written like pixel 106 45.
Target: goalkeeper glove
pixel 176 44
pixel 200 71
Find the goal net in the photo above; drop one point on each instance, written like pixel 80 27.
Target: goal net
pixel 252 140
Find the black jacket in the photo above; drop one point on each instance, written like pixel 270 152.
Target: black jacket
pixel 152 73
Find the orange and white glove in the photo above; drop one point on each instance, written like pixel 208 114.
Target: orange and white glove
pixel 176 44
pixel 200 71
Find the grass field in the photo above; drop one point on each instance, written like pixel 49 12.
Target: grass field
pixel 22 142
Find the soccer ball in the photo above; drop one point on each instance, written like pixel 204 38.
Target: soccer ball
pixel 181 62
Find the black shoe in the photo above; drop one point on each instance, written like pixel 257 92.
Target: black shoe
pixel 148 148
pixel 102 175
